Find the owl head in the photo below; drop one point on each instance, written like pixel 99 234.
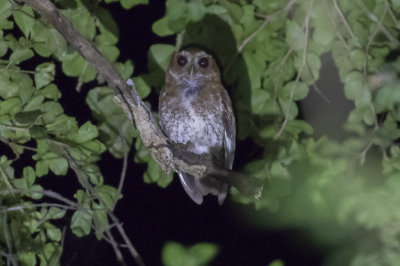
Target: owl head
pixel 193 67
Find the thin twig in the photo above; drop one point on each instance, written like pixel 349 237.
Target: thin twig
pixel 130 247
pixel 303 63
pixel 6 181
pixel 289 5
pixel 373 18
pixel 266 18
pixel 10 143
pixel 75 167
pixel 391 14
pixel 33 206
pixel 179 40
pixel 114 245
pixel 55 195
pixel 262 26
pixel 334 21
pixel 10 257
pixel 254 34
pixel 124 164
pixel 376 125
pixel 16 128
pixel 364 152
pixel 339 11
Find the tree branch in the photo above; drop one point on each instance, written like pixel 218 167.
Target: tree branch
pixel 164 153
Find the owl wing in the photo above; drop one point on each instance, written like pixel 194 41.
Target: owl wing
pixel 228 119
pixel 191 186
pixel 228 149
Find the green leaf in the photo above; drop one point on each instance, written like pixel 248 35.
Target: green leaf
pixel 268 5
pixel 259 101
pixel 295 36
pixel 54 234
pixel 126 69
pixel 324 32
pixel 196 10
pixel 27 117
pixel 221 12
pixel 369 117
pixel 298 126
pixel 27 258
pixel 109 51
pixel 310 73
pixel 48 41
pixel 155 174
pixel 44 74
pixel 109 32
pixel 42 168
pixel 10 106
pixel 50 111
pixel 116 130
pixel 160 55
pixel 353 85
pixel 173 254
pixel 82 20
pixel 299 90
pixel 108 195
pixel 142 87
pixel 56 213
pixel 100 220
pixel 94 173
pixel 255 65
pixel 277 263
pixel 235 11
pixel 358 58
pixel 52 161
pixel 34 103
pixel 24 18
pixel 86 133
pixel 50 254
pixel 74 65
pixel 63 124
pixel 59 166
pixel 20 55
pixel 8 87
pixel 83 198
pixel 161 28
pixel 3 48
pixel 29 175
pixel 51 92
pixel 35 192
pixel 204 252
pixel 128 4
pixel 81 222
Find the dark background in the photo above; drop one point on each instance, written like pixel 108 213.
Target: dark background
pixel 151 215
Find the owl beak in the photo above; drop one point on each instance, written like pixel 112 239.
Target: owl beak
pixel 191 70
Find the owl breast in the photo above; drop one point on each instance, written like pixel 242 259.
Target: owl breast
pixel 193 122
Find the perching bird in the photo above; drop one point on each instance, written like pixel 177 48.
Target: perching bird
pixel 195 110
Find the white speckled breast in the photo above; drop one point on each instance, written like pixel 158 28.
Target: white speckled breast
pixel 194 122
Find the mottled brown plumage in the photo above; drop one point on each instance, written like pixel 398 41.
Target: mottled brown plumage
pixel 195 110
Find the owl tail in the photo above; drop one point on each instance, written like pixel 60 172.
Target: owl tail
pixel 196 188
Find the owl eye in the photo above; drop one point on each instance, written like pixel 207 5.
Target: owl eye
pixel 181 61
pixel 203 62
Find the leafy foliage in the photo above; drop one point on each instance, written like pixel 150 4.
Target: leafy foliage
pixel 270 57
pixel 175 254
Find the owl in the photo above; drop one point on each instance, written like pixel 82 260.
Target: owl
pixel 195 110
